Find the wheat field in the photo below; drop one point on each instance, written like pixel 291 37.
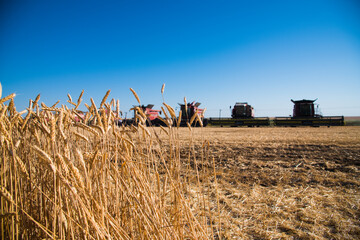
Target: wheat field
pixel 62 178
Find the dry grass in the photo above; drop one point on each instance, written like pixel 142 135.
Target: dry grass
pixel 66 180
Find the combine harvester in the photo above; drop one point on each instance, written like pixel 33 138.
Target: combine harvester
pixel 186 115
pixel 304 115
pixel 151 114
pixel 188 111
pixel 242 114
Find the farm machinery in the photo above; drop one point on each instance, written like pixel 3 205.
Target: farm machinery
pixel 188 112
pixel 304 114
pixel 242 114
pixel 152 116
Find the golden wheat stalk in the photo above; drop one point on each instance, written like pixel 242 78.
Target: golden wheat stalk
pixel 199 120
pixel 54 105
pixel 79 135
pixel 100 128
pixel 42 154
pixel 112 102
pixel 88 107
pixel 34 104
pixel 96 113
pixel 3 111
pixel 135 95
pixel 75 172
pixel 52 128
pixel 87 128
pixel 117 108
pixel 185 103
pixel 189 126
pixel 60 124
pixel 165 113
pixel 164 121
pixel 24 124
pixel 87 117
pixel 179 119
pixel 141 112
pixel 11 96
pixel 163 88
pixel 62 164
pixel 11 107
pixel 6 194
pixel 70 99
pixel 193 117
pixel 80 99
pixel 171 111
pixel 82 162
pixel 164 129
pixel 104 98
pixel 145 130
pixel 162 92
pixel 22 165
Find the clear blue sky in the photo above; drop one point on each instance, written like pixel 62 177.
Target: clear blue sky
pixel 214 52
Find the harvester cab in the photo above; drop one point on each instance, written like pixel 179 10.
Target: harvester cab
pixel 242 110
pixel 303 108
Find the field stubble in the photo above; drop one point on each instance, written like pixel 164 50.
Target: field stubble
pixel 300 183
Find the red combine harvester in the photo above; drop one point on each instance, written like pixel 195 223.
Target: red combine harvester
pixel 189 111
pixel 304 114
pixel 242 114
pixel 151 114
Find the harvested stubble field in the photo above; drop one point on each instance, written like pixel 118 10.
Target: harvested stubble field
pixel 300 183
pixel 63 179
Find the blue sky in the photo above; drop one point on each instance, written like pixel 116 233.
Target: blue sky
pixel 214 52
